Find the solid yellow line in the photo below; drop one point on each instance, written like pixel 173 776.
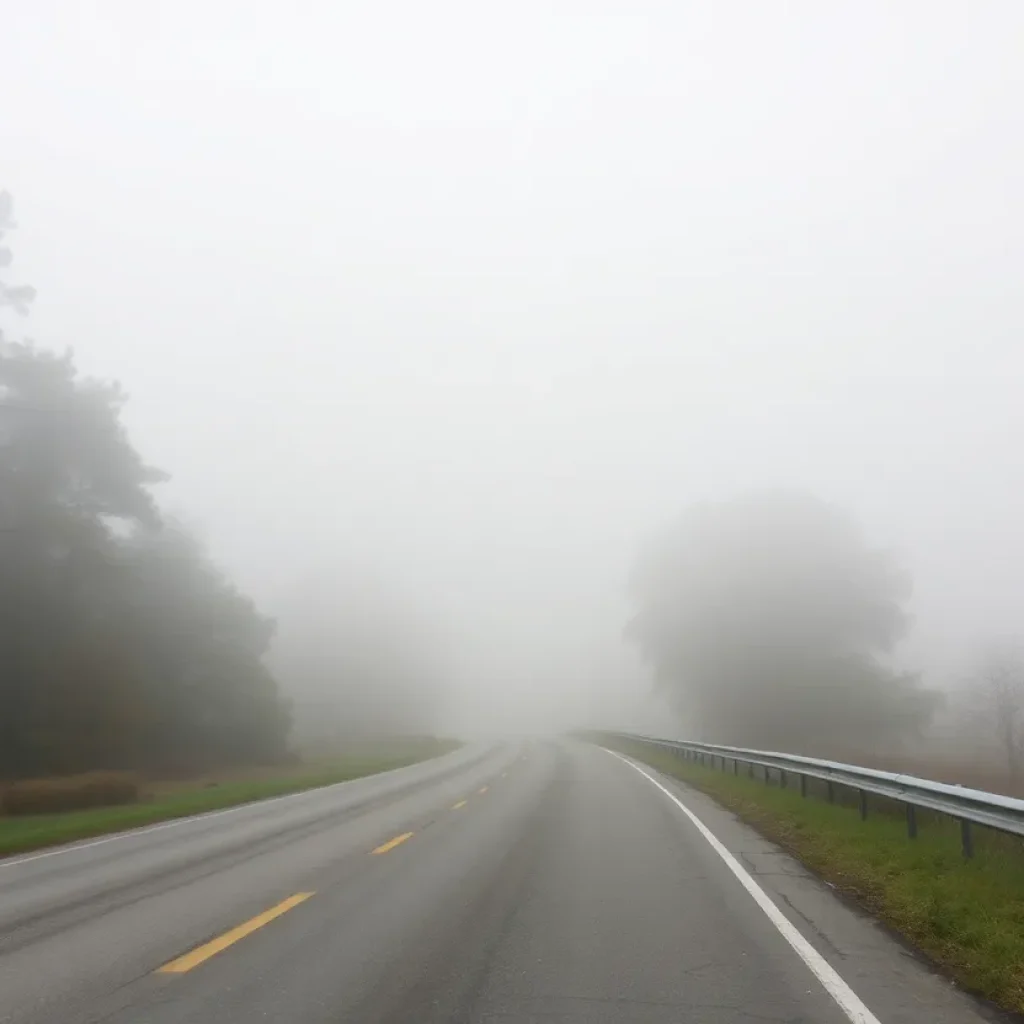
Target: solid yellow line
pixel 482 790
pixel 201 953
pixel 461 803
pixel 392 843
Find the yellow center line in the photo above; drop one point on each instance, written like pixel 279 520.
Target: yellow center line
pixel 392 843
pixel 204 952
pixel 461 803
pixel 482 790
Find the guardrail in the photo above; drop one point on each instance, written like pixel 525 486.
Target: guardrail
pixel 969 806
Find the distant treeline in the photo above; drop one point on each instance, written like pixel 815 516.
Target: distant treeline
pixel 121 646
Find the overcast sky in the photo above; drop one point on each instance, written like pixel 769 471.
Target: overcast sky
pixel 473 295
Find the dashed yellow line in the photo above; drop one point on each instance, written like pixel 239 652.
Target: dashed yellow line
pixel 461 803
pixel 204 952
pixel 392 843
pixel 482 790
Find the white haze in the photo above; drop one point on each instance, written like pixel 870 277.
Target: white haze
pixel 470 296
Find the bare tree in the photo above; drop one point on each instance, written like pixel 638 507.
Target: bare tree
pixel 999 688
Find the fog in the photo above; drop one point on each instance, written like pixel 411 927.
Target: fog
pixel 458 302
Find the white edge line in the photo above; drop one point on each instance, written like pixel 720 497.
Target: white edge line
pixel 145 831
pixel 191 819
pixel 847 1000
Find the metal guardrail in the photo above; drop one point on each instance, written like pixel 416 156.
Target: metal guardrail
pixel 969 806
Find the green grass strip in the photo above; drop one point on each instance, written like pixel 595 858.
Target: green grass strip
pixel 20 834
pixel 966 915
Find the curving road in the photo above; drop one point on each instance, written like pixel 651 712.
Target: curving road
pixel 537 882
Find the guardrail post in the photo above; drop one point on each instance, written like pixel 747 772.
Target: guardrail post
pixel 735 766
pixel 750 771
pixel 803 785
pixel 782 778
pixel 863 804
pixel 767 776
pixel 966 839
pixel 831 791
pixel 911 821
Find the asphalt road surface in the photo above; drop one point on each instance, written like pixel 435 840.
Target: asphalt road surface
pixel 545 881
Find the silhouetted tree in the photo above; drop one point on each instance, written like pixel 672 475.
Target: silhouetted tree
pixel 763 618
pixel 120 644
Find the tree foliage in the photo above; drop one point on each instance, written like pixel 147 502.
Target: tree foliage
pixel 764 618
pixel 19 297
pixel 120 644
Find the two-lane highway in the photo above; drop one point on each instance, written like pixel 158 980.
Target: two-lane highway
pixel 544 881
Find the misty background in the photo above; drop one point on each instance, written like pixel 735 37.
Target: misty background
pixel 435 313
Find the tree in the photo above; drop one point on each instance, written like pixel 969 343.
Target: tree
pixel 763 618
pixel 997 689
pixel 67 471
pixel 21 297
pixel 212 699
pixel 120 644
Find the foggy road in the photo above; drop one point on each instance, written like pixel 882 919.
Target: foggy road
pixel 518 882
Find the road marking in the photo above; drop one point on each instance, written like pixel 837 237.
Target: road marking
pixel 482 790
pixel 392 843
pixel 847 1000
pixel 204 952
pixel 132 832
pixel 461 803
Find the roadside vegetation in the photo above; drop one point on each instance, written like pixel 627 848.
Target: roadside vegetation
pixel 162 801
pixel 770 622
pixel 128 656
pixel 965 915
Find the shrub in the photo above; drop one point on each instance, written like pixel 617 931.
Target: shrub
pixel 69 793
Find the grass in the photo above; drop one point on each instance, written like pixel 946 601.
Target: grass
pixel 181 798
pixel 967 916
